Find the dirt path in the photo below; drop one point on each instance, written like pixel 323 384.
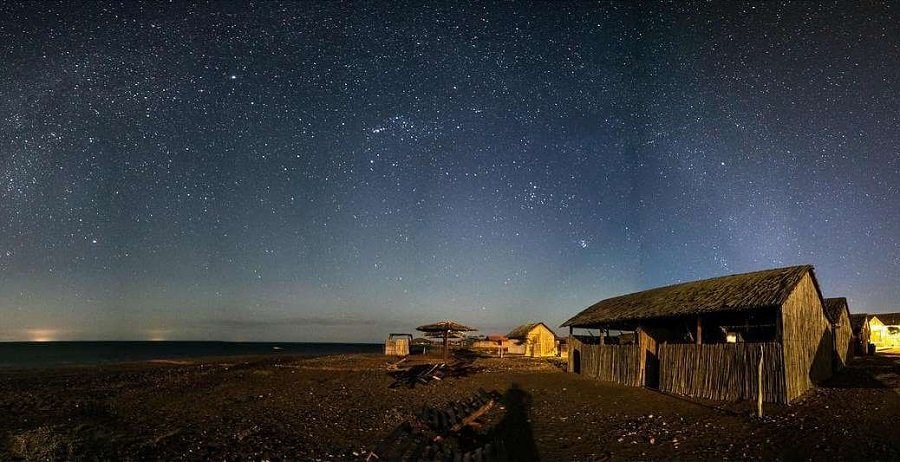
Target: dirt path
pixel 329 408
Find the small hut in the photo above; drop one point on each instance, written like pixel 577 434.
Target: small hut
pixel 397 344
pixel 860 325
pixel 838 314
pixel 445 330
pixel 538 340
pixel 709 338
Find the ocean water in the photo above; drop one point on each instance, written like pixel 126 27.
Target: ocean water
pixel 54 354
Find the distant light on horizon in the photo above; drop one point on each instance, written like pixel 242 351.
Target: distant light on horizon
pixel 42 335
pixel 157 335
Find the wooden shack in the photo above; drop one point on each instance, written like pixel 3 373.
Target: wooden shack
pixel 884 330
pixel 397 345
pixel 537 340
pixel 859 324
pixel 707 338
pixel 838 313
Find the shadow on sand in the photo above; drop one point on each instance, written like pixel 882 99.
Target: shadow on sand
pixel 515 428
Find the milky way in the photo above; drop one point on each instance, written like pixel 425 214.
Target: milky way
pixel 338 171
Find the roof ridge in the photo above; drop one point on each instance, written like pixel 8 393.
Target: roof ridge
pixel 767 287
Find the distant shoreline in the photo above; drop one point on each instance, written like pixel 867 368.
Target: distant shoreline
pixel 49 355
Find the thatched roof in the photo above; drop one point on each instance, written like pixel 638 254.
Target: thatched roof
pixel 888 319
pixel 450 335
pixel 833 308
pixel 857 321
pixel 522 331
pixel 444 326
pixel 738 292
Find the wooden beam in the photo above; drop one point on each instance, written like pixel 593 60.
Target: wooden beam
pixel 699 331
pixel 760 384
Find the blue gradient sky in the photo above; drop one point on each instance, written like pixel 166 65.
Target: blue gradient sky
pixel 335 172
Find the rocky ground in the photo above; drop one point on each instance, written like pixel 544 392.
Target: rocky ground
pixel 338 407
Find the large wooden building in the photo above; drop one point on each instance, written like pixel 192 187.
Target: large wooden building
pixel 838 313
pixel 537 340
pixel 859 323
pixel 706 338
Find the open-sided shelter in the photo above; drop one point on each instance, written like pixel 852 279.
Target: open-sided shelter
pixel 537 339
pixel 707 338
pixel 838 313
pixel 445 330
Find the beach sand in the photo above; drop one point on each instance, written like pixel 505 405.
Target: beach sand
pixel 338 407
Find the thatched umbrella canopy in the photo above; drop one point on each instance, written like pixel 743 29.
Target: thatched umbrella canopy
pixel 440 335
pixel 445 329
pixel 442 326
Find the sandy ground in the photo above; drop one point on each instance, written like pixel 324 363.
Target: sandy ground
pixel 330 408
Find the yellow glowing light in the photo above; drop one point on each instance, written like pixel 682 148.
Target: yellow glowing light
pixel 157 335
pixel 42 335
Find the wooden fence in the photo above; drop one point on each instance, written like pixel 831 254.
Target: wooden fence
pixel 611 363
pixel 724 371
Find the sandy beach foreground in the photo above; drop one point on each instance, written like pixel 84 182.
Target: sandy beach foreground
pixel 339 407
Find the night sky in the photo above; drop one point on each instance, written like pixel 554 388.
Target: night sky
pixel 336 171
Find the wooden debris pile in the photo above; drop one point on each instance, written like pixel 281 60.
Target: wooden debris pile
pixel 422 374
pixel 446 434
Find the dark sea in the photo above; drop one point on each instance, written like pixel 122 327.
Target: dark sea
pixel 15 355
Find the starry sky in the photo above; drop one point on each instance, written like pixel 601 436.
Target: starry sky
pixel 336 171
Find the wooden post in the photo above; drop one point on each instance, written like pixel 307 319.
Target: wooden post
pixel 446 335
pixel 602 336
pixel 699 331
pixel 760 392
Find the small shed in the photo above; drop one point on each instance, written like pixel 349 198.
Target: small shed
pixel 838 314
pixel 538 340
pixel 397 344
pixel 708 338
pixel 859 323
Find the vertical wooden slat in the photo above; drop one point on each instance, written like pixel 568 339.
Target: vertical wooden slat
pixel 610 363
pixel 721 371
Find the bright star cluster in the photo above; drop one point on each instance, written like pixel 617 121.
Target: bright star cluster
pixel 328 171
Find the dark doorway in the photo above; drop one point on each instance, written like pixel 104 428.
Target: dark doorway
pixel 576 362
pixel 651 370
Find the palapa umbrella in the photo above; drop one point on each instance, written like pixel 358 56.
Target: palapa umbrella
pixel 422 342
pixel 445 329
